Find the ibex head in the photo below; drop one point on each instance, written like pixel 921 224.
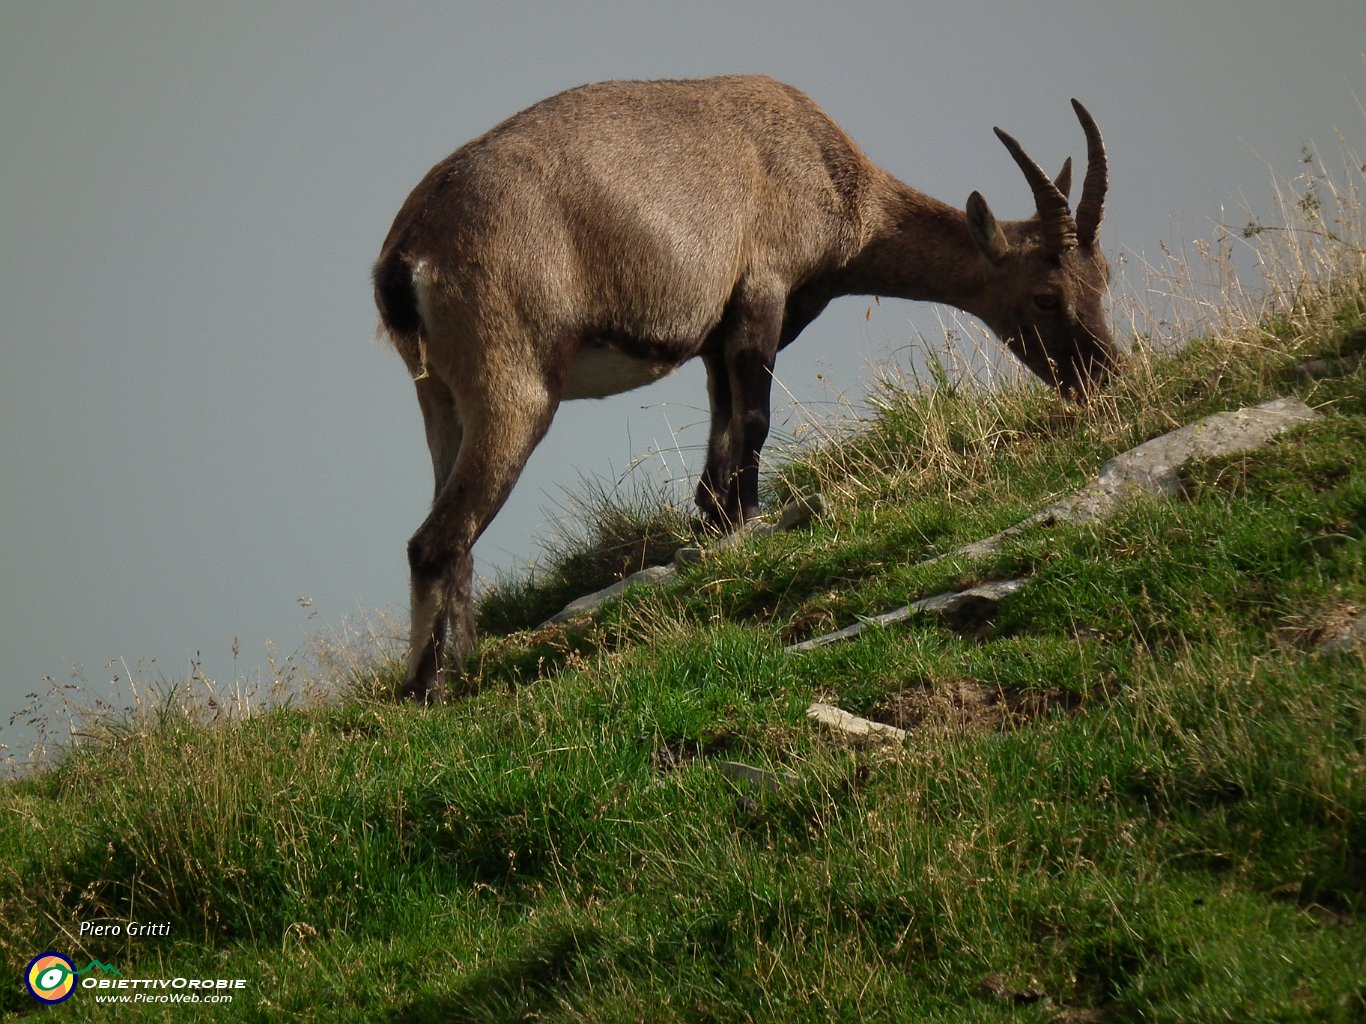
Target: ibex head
pixel 1049 274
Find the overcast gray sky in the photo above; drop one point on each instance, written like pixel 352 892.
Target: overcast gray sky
pixel 198 429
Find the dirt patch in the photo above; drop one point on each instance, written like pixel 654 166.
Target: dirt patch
pixel 967 705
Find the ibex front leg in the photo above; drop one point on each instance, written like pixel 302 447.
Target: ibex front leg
pixel 713 491
pixel 747 349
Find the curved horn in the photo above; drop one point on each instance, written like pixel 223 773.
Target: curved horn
pixel 1092 205
pixel 1059 231
pixel 1064 178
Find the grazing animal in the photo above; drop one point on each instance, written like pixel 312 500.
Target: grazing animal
pixel 598 239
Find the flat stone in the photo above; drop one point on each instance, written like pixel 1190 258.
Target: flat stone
pixel 794 514
pixel 849 632
pixel 690 555
pixel 800 512
pixel 1349 639
pixel 590 603
pixel 842 721
pixel 1153 466
pixel 759 778
pixel 975 604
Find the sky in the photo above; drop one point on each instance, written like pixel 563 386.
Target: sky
pixel 204 448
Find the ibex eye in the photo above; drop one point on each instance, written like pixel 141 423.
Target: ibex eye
pixel 1047 301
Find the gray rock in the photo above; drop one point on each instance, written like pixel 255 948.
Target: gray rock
pixel 793 515
pixel 849 632
pixel 975 604
pixel 1153 466
pixel 690 555
pixel 1319 369
pixel 1150 468
pixel 841 721
pixel 590 603
pixel 759 778
pixel 800 512
pixel 1351 638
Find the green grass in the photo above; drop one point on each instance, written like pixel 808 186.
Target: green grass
pixel 1138 794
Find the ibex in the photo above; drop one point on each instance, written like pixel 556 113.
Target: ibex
pixel 600 238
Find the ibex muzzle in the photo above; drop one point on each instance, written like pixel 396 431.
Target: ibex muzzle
pixel 600 238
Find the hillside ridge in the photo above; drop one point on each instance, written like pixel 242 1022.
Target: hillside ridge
pixel 1128 787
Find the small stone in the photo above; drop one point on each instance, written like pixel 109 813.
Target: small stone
pixel 591 602
pixel 959 608
pixel 800 512
pixel 689 555
pixel 852 725
pixel 759 778
pixel 1346 640
pixel 1319 369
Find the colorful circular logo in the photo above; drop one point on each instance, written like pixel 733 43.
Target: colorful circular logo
pixel 50 977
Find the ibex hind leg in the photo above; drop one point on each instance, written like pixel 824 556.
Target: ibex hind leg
pixel 425 677
pixel 494 447
pixel 441 419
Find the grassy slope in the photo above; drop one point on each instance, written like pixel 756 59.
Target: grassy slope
pixel 1140 794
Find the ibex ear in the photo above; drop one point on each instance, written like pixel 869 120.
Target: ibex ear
pixel 1064 179
pixel 985 231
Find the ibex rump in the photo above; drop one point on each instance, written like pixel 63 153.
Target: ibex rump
pixel 598 239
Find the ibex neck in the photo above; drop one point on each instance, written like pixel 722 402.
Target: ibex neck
pixel 918 248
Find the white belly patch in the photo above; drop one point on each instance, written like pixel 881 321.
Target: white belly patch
pixel 601 370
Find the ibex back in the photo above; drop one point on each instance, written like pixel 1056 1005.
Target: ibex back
pixel 597 240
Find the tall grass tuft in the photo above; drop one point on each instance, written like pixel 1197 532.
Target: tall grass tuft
pixel 605 534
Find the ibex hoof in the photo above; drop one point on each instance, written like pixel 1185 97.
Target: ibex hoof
pixel 416 692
